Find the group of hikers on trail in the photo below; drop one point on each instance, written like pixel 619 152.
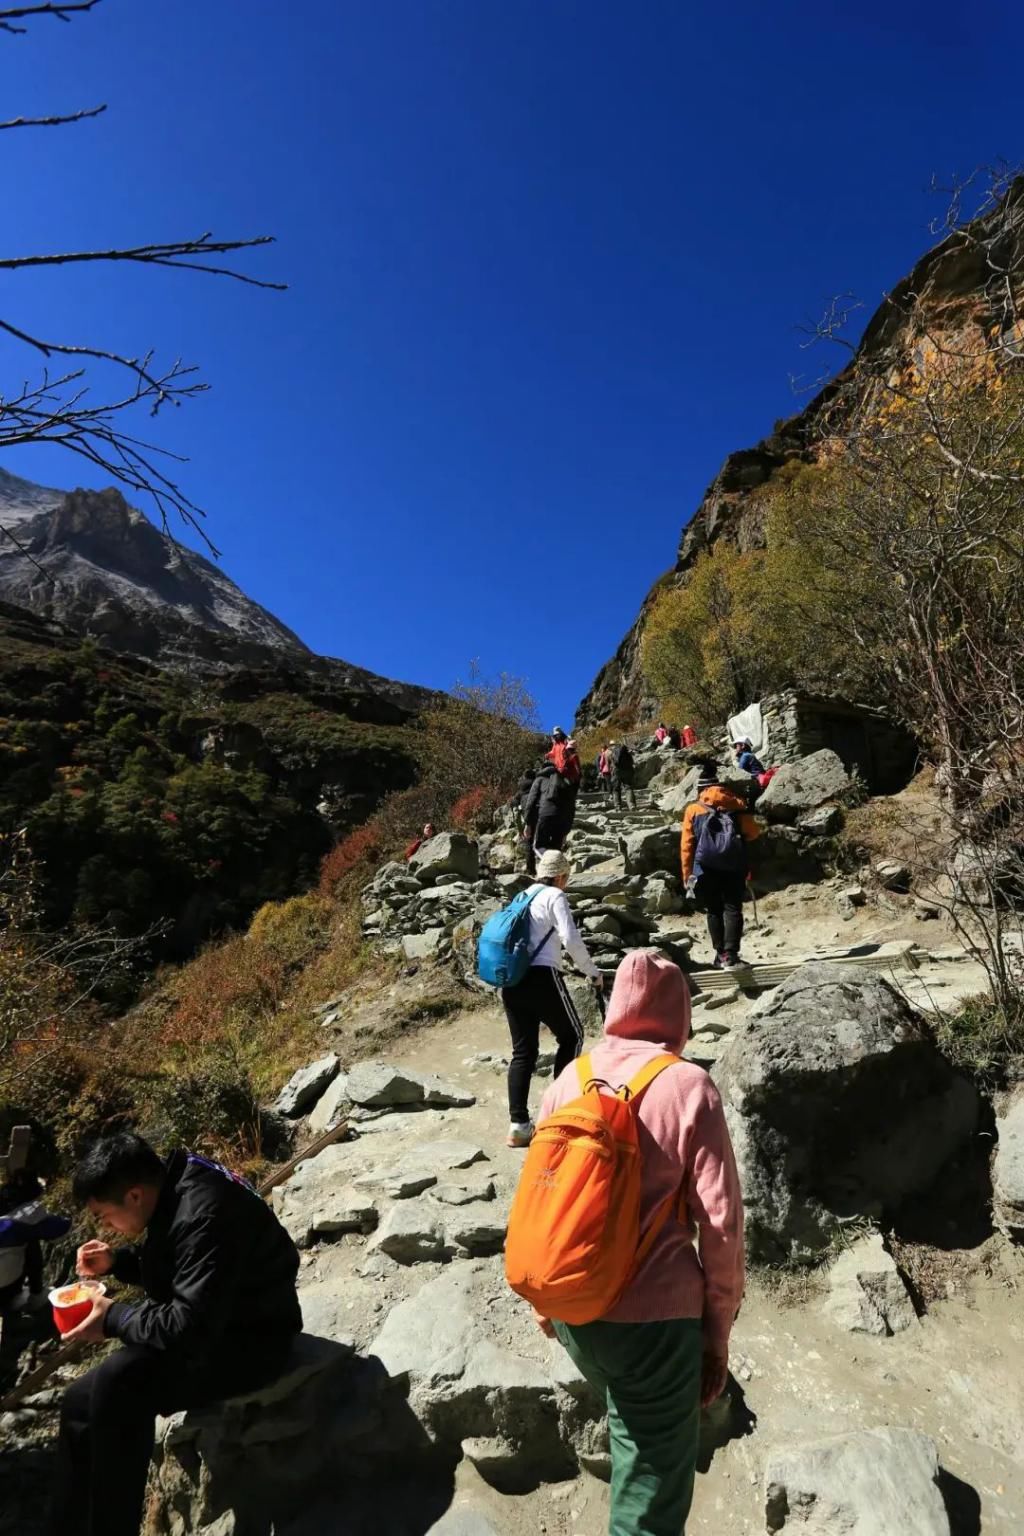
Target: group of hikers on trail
pixel 625 1236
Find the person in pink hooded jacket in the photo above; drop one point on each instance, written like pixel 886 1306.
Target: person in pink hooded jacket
pixel 663 1350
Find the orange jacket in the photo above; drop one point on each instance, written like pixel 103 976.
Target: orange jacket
pixel 717 798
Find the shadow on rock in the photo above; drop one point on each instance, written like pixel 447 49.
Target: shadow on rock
pixel 963 1506
pixel 729 1418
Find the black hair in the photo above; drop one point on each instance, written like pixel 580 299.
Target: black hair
pixel 113 1166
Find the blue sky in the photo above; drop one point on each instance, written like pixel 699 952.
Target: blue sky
pixel 546 264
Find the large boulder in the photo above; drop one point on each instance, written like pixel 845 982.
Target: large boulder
pixel 329 1442
pixel 804 785
pixel 1008 1171
pixel 450 853
pixel 876 1482
pixel 839 1104
pixel 481 1378
pixel 318 1201
pixel 656 848
pixel 674 799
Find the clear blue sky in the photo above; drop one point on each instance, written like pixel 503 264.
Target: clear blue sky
pixel 546 264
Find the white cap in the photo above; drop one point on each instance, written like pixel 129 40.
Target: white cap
pixel 551 864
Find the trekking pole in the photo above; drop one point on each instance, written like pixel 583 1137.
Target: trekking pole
pixel 68 1353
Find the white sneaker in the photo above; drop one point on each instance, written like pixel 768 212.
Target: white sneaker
pixel 519 1135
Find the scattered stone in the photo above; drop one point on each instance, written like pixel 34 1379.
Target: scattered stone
pixel 476 1229
pixel 839 1103
pixel 803 786
pixel 866 1294
pixel 463 1191
pixel 663 895
pixel 821 822
pixel 410 1232
pixel 721 999
pixel 440 1094
pixel 854 894
pixel 602 923
pixel 422 946
pixel 450 853
pixel 305 1086
pixel 332 1106
pixel 318 1202
pixel 1008 1171
pixel 875 1482
pixel 588 883
pixel 892 875
pixel 924 911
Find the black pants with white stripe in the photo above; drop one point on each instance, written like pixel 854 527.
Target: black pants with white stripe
pixel 542 997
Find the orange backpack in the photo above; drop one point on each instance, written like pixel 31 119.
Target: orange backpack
pixel 573 1240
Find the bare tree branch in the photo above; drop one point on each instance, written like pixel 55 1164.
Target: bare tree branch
pixel 53 122
pixel 60 12
pixel 170 255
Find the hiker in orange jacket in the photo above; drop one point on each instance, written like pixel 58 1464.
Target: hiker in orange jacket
pixel 715 868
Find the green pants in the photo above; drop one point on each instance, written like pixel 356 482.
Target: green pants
pixel 650 1374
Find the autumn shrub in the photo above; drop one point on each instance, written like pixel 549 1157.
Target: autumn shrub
pixel 212 1106
pixel 357 852
pixel 474 811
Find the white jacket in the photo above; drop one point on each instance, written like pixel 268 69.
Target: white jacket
pixel 549 908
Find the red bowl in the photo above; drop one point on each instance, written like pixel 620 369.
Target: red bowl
pixel 68 1314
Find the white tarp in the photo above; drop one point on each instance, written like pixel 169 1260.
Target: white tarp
pixel 749 725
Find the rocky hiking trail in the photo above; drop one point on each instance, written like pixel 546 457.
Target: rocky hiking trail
pixel 877 1391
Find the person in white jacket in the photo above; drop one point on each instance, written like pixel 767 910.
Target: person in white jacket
pixel 542 996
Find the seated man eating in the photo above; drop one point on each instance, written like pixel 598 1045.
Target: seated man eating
pixel 221 1313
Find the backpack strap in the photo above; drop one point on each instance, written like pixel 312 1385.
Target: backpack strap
pixel 583 1071
pixel 645 1077
pixel 674 1201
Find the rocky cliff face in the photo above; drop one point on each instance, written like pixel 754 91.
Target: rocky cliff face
pixel 90 561
pixel 953 292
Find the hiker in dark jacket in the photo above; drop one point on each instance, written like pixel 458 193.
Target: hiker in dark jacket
pixel 746 759
pixel 622 772
pixel 221 1316
pixel 550 809
pixel 718 891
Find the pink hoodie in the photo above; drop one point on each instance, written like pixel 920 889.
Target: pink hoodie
pixel 685 1148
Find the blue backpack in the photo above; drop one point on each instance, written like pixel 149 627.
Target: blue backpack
pixel 720 845
pixel 503 954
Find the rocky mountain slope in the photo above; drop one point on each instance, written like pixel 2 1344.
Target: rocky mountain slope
pixel 89 560
pixel 952 292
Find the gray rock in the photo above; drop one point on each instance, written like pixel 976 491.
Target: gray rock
pixel 803 786
pixel 657 848
pixel 589 883
pixel 866 1294
pixel 675 799
pixel 1008 1171
pixel 822 822
pixel 603 922
pixel 463 1522
pixel 422 946
pixel 663 895
pixel 924 911
pixel 892 875
pixel 450 853
pixel 331 1108
pixel 876 1482
pixel 721 999
pixel 839 1104
pixel 438 1093
pixel 410 1232
pixel 442 1347
pixel 464 1191
pixel 305 1086
pixel 476 1229
pixel 375 1085
pixel 319 1202
pixel 585 1002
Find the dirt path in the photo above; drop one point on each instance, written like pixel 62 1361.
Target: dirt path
pixel 958 1374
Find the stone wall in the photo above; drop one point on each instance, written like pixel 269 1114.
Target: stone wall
pixel 883 753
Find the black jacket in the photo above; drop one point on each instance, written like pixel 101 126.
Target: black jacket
pixel 217 1265
pixel 622 763
pixel 551 803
